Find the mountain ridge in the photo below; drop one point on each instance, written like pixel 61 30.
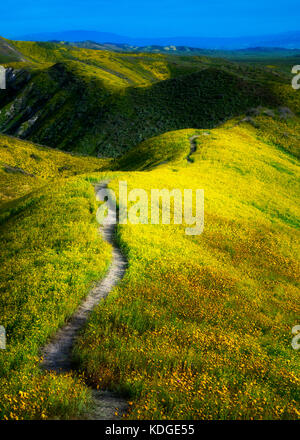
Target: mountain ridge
pixel 286 39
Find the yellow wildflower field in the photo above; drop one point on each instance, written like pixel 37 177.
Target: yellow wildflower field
pixel 200 327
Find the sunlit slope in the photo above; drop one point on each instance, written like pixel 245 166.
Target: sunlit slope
pixel 128 69
pixel 172 147
pixel 50 254
pixel 25 166
pixel 279 128
pixel 282 131
pixel 133 68
pixel 201 325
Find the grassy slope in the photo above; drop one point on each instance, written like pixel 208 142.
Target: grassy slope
pixel 170 147
pixel 103 102
pixel 201 326
pixel 276 130
pixel 50 254
pixel 25 166
pixel 139 69
pixel 8 53
pixel 271 127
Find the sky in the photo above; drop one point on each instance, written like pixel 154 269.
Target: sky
pixel 151 18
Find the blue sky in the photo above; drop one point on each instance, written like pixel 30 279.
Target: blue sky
pixel 151 18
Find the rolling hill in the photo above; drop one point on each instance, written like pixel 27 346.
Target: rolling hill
pixel 104 103
pixel 200 326
pixel 25 166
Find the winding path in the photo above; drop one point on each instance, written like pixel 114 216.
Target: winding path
pixel 57 355
pixel 193 147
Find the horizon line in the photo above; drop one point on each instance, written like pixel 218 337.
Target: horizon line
pixel 276 33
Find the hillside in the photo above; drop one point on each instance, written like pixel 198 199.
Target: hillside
pixel 49 241
pixel 200 326
pixel 210 315
pixel 104 103
pixel 25 166
pixel 50 257
pixel 8 53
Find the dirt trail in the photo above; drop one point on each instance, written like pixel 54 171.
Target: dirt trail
pixel 57 354
pixel 193 147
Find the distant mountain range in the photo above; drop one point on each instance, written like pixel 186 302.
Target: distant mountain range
pixel 289 40
pixel 252 52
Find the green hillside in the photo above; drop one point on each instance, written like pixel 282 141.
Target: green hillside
pixel 167 148
pixel 104 103
pixel 9 53
pixel 49 242
pixel 25 166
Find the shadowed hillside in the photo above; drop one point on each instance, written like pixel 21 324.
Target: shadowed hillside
pixel 8 53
